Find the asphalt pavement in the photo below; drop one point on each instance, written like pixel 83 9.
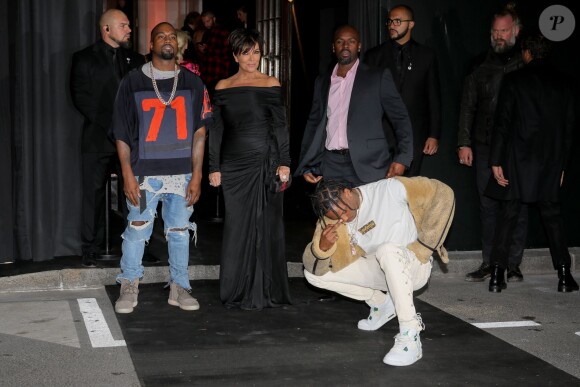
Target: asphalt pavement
pixel 73 338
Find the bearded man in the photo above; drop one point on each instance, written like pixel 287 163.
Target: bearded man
pixel 414 68
pixel 159 124
pixel 344 136
pixel 476 120
pixel 95 75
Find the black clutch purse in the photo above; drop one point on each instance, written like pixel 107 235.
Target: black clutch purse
pixel 277 185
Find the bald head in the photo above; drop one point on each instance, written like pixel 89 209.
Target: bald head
pixel 346 29
pixel 115 29
pixel 110 16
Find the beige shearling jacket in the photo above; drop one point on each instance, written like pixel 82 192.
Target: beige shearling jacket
pixel 432 204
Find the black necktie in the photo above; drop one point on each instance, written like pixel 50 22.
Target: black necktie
pixel 399 59
pixel 117 62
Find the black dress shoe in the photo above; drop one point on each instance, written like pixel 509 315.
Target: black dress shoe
pixel 497 280
pixel 515 274
pixel 566 282
pixel 89 260
pixel 479 275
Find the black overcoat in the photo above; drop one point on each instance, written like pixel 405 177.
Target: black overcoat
pixel 533 133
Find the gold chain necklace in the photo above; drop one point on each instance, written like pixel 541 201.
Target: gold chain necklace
pixel 168 102
pixel 353 241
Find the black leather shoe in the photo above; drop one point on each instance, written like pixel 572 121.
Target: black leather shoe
pixel 515 274
pixel 89 260
pixel 497 280
pixel 479 275
pixel 566 282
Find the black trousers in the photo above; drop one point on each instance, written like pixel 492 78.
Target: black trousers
pixel 553 226
pixel 490 212
pixel 97 168
pixel 337 166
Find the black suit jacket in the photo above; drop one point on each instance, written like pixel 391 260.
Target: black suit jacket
pixel 373 95
pixel 94 85
pixel 418 85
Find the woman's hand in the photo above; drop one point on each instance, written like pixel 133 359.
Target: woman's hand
pixel 215 179
pixel 283 172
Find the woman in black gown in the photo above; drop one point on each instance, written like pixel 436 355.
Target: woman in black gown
pixel 248 145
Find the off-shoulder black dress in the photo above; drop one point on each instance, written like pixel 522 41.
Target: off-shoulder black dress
pixel 248 140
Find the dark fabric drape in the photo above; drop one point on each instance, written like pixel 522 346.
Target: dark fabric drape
pixel 364 15
pixel 46 128
pixel 6 216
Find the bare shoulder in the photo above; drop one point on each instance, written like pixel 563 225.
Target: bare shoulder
pixel 264 80
pixel 223 84
pixel 271 81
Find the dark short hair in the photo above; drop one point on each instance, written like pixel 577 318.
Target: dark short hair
pixel 406 8
pixel 327 196
pixel 192 18
pixel 243 39
pixel 154 30
pixel 537 44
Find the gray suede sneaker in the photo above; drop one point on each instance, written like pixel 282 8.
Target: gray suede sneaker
pixel 181 297
pixel 128 297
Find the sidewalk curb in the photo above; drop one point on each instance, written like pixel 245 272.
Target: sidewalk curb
pixel 535 261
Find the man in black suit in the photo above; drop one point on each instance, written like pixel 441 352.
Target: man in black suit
pixel 95 76
pixel 344 136
pixel 414 68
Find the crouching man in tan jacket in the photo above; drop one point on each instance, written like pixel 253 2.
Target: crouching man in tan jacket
pixel 375 243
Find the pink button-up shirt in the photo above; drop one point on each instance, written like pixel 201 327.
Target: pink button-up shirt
pixel 337 110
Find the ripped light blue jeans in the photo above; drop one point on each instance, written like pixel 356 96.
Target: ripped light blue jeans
pixel 176 214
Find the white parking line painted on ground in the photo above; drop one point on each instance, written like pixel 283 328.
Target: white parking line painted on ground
pixel 97 328
pixel 506 324
pixel 578 333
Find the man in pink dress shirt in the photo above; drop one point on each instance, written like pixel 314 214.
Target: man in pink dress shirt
pixel 344 136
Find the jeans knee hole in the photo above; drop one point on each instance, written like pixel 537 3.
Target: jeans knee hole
pixel 139 224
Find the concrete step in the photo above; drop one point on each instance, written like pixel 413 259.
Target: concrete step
pixel 536 261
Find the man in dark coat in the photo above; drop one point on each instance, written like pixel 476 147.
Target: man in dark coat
pixel 344 136
pixel 95 76
pixel 478 105
pixel 414 69
pixel 531 145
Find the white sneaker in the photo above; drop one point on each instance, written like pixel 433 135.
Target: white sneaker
pixel 379 316
pixel 407 349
